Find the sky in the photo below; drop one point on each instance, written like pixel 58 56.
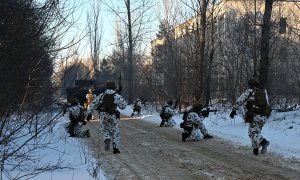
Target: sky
pixel 281 129
pixel 107 18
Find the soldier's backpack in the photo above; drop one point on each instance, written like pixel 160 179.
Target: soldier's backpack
pixel 108 104
pixel 260 100
pixel 164 115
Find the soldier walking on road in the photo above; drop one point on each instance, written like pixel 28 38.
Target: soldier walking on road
pixel 106 103
pixel 258 111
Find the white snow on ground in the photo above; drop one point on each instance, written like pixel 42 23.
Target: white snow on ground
pixel 74 154
pixel 281 129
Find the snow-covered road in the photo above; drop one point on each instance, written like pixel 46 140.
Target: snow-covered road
pixel 151 152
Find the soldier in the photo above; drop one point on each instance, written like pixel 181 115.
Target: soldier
pixel 258 110
pixel 106 103
pixel 89 98
pixel 76 115
pixel 166 115
pixel 193 123
pixel 137 107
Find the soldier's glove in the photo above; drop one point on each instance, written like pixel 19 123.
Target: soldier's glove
pixel 233 113
pixel 84 123
pixel 89 117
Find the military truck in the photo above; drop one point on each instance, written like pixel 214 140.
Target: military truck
pixel 80 90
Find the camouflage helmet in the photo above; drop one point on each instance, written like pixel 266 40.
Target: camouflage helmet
pixel 253 82
pixel 170 102
pixel 110 85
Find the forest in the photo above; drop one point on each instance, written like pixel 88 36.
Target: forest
pixel 203 50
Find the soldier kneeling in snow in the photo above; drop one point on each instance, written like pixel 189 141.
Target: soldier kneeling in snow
pixel 192 123
pixel 167 114
pixel 76 115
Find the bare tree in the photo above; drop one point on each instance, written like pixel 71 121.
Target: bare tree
pixel 134 14
pixel 95 32
pixel 31 36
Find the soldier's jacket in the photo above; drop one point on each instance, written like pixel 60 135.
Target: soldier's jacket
pixel 248 95
pixel 194 120
pixel 118 100
pixel 168 111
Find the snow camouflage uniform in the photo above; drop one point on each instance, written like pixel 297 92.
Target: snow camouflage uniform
pixel 255 127
pixel 76 122
pixel 195 124
pixel 166 115
pixel 137 107
pixel 109 122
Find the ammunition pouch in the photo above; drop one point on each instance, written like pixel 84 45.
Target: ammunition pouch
pixel 110 111
pixel 264 111
pixel 249 116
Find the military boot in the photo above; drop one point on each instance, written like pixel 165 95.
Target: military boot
pixel 184 136
pixel 116 151
pixel 255 151
pixel 107 144
pixel 264 143
pixel 207 136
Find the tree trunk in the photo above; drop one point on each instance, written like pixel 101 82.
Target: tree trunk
pixel 265 44
pixel 130 54
pixel 211 57
pixel 202 48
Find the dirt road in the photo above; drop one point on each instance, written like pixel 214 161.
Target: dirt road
pixel 151 152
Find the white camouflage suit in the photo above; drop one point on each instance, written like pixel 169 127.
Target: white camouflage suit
pixel 169 110
pixel 109 123
pixel 196 122
pixel 74 113
pixel 254 130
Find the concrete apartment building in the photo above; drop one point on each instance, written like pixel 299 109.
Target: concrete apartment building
pixel 237 31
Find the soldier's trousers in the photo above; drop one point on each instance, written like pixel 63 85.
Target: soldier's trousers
pixel 110 128
pixel 198 132
pixel 255 128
